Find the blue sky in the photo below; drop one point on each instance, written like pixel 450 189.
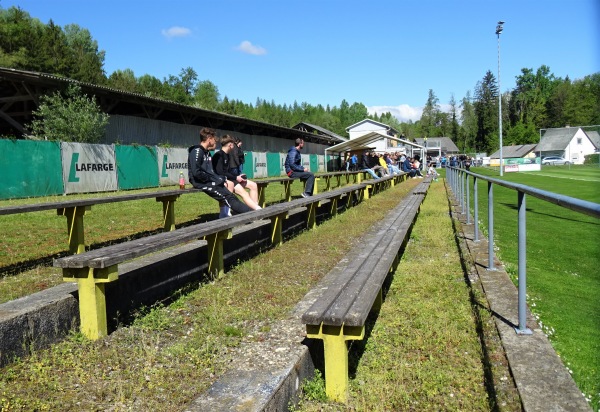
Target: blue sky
pixel 385 54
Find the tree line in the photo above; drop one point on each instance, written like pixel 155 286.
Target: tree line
pixel 539 99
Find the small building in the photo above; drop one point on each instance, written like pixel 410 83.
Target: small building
pixel 438 146
pixel 572 143
pixel 521 151
pixel 367 126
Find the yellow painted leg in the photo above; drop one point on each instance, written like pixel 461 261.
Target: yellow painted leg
pixel 288 189
pixel 336 356
pixel 311 221
pixel 92 299
pixel 262 188
pixel 75 231
pixel 358 177
pixel 216 265
pixel 315 186
pixel 276 228
pixel 327 183
pixel 366 192
pixel 168 212
pixel 334 205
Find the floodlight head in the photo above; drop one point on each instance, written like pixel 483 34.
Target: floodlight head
pixel 499 27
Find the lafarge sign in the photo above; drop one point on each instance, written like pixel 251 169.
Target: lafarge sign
pixel 88 167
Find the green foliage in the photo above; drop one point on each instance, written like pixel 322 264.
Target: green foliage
pixel 314 389
pixel 593 159
pixel 72 117
pixel 26 43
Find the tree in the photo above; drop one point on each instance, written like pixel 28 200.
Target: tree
pixel 88 61
pixel 468 129
pixel 431 116
pixel 123 80
pixel 207 95
pixel 454 126
pixel 72 117
pixel 486 97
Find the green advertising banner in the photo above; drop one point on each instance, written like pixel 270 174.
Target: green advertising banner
pixel 314 163
pixel 274 164
pixel 249 165
pixel 30 168
pixel 136 167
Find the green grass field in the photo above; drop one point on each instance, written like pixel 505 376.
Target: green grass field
pixel 563 262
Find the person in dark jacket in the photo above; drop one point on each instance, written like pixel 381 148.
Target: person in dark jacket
pixel 294 168
pixel 236 182
pixel 365 165
pixel 407 167
pixel 236 158
pixel 202 175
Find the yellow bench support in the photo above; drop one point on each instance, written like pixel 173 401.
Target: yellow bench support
pixel 336 356
pixel 277 228
pixel 334 205
pixel 75 231
pixel 168 211
pixel 92 299
pixel 311 221
pixel 287 184
pixel 216 265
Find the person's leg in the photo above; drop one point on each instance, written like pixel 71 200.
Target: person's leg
pixel 246 198
pixel 372 173
pixel 253 188
pixel 310 181
pixel 222 194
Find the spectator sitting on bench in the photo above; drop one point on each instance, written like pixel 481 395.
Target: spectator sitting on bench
pixel 382 164
pixel 416 165
pixel 365 165
pixel 432 172
pixel 407 167
pixel 203 177
pixel 237 183
pixel 294 168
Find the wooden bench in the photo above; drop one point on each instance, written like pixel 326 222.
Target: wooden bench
pixel 93 269
pixel 75 210
pixel 355 289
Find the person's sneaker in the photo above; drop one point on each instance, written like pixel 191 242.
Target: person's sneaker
pixel 225 212
pixel 304 194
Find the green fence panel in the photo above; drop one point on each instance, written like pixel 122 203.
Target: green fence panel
pixel 273 164
pixel 30 168
pixel 136 167
pixel 248 167
pixel 314 163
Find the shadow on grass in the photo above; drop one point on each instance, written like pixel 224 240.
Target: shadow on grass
pixel 528 210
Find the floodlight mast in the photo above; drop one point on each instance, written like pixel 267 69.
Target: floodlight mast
pixel 499 29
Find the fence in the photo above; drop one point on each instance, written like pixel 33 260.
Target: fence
pixel 459 183
pixel 45 168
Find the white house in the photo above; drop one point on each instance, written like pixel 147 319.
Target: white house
pixel 572 143
pixel 371 126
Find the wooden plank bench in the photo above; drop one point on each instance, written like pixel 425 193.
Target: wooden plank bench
pixel 339 314
pixel 75 210
pixel 93 269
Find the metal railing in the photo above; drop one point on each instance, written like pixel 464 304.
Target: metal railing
pixel 459 183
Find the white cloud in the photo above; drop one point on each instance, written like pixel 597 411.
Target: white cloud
pixel 249 48
pixel 176 31
pixel 402 112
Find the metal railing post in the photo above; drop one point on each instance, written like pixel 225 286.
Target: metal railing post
pixel 475 209
pixel 462 191
pixel 491 226
pixel 522 266
pixel 468 199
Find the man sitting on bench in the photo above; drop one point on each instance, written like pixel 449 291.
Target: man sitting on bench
pixel 236 182
pixel 203 177
pixel 294 168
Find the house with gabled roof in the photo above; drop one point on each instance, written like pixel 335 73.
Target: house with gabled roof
pixel 594 137
pixel 438 146
pixel 572 143
pixel 319 131
pixel 526 151
pixel 367 126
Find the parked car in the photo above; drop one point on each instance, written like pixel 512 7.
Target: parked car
pixel 555 160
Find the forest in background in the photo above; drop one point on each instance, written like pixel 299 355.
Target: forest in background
pixel 539 99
